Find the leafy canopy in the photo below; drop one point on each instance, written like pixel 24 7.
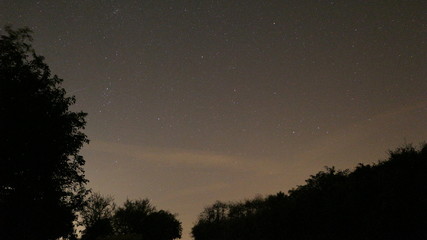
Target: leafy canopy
pixel 387 200
pixel 42 182
pixel 135 220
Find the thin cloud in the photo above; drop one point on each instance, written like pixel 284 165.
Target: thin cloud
pixel 184 158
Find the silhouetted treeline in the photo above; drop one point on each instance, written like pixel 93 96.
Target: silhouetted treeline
pixel 387 200
pixel 135 220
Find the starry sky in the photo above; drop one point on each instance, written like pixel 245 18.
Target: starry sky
pixel 190 101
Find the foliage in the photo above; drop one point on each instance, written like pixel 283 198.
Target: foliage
pixel 161 225
pixel 42 182
pixel 135 220
pixel 131 217
pixel 387 200
pixel 97 216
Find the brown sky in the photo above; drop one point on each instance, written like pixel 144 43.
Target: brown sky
pixel 191 102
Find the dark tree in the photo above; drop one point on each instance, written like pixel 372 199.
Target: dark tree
pixel 162 225
pixel 135 220
pixel 42 182
pixel 386 201
pixel 97 217
pixel 131 217
pixel 140 220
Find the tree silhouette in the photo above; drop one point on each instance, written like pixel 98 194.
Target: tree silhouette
pixel 135 220
pixel 140 219
pixel 131 217
pixel 42 182
pixel 387 200
pixel 97 216
pixel 161 225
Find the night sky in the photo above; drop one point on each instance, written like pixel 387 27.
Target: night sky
pixel 190 102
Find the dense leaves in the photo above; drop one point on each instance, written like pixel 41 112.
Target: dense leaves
pixel 387 200
pixel 41 175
